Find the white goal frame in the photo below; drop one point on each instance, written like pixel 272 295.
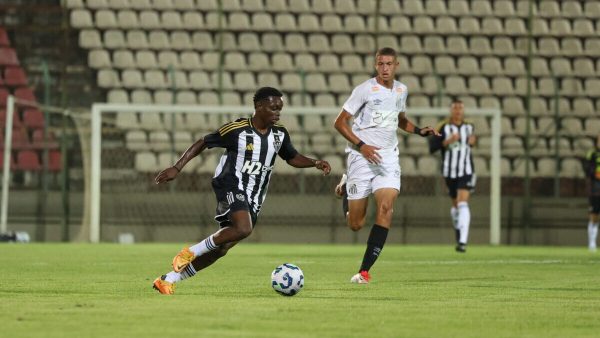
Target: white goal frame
pixel 98 109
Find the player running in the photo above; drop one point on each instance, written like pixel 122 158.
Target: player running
pixel 592 171
pixel 240 182
pixel 377 108
pixel 457 167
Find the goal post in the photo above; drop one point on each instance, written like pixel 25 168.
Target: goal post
pixel 100 110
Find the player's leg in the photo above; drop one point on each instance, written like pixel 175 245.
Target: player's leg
pixel 357 213
pixel 464 218
pixel 593 222
pixel 451 184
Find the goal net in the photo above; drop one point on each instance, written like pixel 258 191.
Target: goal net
pixel 131 143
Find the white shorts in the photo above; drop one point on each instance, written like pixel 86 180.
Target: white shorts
pixel 365 178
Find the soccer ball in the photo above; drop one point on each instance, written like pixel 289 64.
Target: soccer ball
pixel 287 279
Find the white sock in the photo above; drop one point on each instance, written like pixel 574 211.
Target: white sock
pixel 203 247
pixel 464 220
pixel 592 234
pixel 454 215
pixel 174 277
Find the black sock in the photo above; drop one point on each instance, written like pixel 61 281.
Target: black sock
pixel 344 201
pixel 375 244
pixel 457 234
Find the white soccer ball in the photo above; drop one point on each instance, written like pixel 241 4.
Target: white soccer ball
pixel 287 279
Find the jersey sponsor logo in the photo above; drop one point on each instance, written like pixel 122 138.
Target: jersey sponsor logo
pixel 255 168
pixel 375 88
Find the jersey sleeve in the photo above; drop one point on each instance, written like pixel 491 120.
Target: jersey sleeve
pixel 221 138
pixel 356 101
pixel 402 105
pixel 287 150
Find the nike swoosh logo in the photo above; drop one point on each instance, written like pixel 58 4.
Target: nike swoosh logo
pixel 179 267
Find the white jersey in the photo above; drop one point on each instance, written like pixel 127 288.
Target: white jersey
pixel 375 109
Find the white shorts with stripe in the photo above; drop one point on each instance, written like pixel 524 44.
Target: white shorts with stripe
pixel 365 178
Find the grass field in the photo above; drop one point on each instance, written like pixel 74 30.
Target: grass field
pixel 57 290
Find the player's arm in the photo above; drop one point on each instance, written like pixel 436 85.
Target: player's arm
pixel 409 127
pixel 342 125
pixel 301 161
pixel 170 173
pixel 436 142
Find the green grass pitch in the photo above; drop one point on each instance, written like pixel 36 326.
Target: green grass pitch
pixel 57 290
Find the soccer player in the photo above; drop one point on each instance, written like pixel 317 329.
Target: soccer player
pixel 592 171
pixel 240 181
pixel 377 108
pixel 455 143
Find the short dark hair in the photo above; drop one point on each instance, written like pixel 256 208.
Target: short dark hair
pixel 265 92
pixel 386 51
pixel 457 101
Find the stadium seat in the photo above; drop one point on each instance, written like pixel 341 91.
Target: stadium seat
pixel 411 44
pixel 549 9
pixel 344 6
pixel 571 9
pixel 434 45
pixel 268 79
pixel 146 162
pixel 249 42
pixel 117 96
pixel 16 121
pixel 123 59
pixel 512 146
pixel 282 62
pixel 158 40
pixel 319 43
pixel 341 43
pixel 469 26
pixel 491 66
pixel 492 26
pixel 519 167
pixel 571 167
pixel 252 6
pixel 560 27
pixel 114 39
pixel 571 47
pixel 502 86
pixel 354 24
pixel 503 46
pixel 33 118
pixel 583 107
pixel 325 100
pixel 428 166
pixel 315 83
pixel 271 42
pixel 328 63
pixel 514 27
pixel 39 142
pixel 571 126
pixel 141 96
pixel 4 40
pixel 89 39
pixel 561 67
pixel 546 87
pixel 468 65
pixel 239 22
pixel 81 18
pixel 262 22
pixel 480 46
pixel 231 5
pixel 245 81
pixel 14 76
pixel 180 40
pixel 285 22
pixel 295 43
pixel 149 19
pixel 70 4
pixel 25 93
pixel 592 126
pixel 260 61
pixel 457 45
pixel 159 140
pixel 352 64
pixel 235 61
pixel 330 23
pixel 423 25
pixel 400 24
pixel 445 25
pixel 28 160
pixel 105 19
pixel 8 57
pixel 583 28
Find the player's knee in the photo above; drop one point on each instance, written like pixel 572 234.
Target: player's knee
pixel 355 224
pixel 385 209
pixel 243 231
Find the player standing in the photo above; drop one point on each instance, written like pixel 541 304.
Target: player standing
pixel 455 143
pixel 240 182
pixel 377 108
pixel 592 171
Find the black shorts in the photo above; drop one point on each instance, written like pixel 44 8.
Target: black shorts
pixel 594 204
pixel 463 182
pixel 229 201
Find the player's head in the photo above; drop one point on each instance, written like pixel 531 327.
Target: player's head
pixel 457 109
pixel 268 102
pixel 386 63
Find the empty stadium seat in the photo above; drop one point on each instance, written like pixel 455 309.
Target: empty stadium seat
pixel 146 162
pixel 28 160
pixel 4 40
pixel 8 57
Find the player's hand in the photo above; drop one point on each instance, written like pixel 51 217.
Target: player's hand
pixel 428 131
pixel 472 140
pixel 453 138
pixel 323 166
pixel 166 175
pixel 370 153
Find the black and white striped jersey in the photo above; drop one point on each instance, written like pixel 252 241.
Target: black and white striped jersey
pixel 457 159
pixel 249 158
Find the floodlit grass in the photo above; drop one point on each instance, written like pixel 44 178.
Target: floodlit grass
pixel 56 290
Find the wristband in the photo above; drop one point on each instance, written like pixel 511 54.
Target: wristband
pixel 178 170
pixel 360 144
pixel 417 130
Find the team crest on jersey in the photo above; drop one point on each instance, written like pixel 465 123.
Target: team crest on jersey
pixel 240 197
pixel 375 88
pixel 353 190
pixel 277 141
pixel 399 90
pixel 250 146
